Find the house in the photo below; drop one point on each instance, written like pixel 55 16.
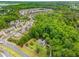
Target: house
pixel 42 42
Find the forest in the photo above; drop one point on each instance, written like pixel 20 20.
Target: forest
pixel 59 30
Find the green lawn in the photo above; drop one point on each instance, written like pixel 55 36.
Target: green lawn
pixel 34 46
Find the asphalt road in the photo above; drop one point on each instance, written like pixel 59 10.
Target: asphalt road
pixel 7 54
pixel 12 46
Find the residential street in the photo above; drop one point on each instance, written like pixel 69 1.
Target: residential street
pixel 22 29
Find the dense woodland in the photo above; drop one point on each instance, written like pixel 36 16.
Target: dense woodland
pixel 60 27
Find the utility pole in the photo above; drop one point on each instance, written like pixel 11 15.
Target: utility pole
pixel 50 53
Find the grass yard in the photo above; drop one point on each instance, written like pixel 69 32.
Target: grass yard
pixel 34 46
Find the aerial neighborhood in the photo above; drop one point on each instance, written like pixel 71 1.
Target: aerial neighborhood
pixel 39 29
